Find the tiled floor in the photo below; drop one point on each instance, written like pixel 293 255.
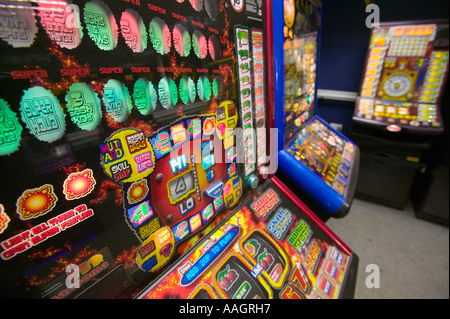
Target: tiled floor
pixel 412 255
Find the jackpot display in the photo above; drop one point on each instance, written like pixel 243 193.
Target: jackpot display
pixel 318 160
pixel 129 129
pixel 403 80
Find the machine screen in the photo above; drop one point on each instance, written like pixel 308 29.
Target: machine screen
pixel 325 153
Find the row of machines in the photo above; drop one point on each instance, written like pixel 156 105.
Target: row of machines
pixel 398 116
pixel 136 159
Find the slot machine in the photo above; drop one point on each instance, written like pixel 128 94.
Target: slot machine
pixel 397 115
pixel 314 158
pixel 135 142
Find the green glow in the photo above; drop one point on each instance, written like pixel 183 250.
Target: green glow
pixel 133 30
pixel 160 36
pixel 215 88
pixel 42 114
pixel 117 100
pixel 145 96
pixel 101 25
pixel 204 88
pixel 10 129
pixel 200 44
pixel 83 105
pixel 168 92
pixel 181 40
pixel 187 90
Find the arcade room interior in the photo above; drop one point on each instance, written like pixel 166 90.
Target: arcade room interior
pixel 218 149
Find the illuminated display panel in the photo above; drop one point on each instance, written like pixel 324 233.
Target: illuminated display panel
pixel 181 186
pixel 405 72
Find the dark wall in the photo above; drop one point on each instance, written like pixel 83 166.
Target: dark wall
pixel 345 39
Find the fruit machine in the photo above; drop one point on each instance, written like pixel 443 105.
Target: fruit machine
pixel 397 114
pixel 271 246
pixel 130 132
pixel 313 157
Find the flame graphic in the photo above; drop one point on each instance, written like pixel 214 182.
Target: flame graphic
pixel 36 202
pixel 224 38
pixel 226 71
pixel 59 268
pixel 73 168
pixel 180 112
pixel 177 67
pixel 127 257
pixel 142 126
pixel 106 185
pixel 4 219
pixel 66 61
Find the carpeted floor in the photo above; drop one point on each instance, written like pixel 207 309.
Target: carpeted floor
pixel 412 255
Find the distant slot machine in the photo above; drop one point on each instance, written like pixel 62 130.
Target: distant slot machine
pixel 398 115
pixel 404 77
pixel 315 159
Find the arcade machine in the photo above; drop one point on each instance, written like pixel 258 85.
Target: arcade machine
pixel 133 142
pixel 314 158
pixel 397 115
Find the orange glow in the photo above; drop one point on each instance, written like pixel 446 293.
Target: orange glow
pixel 36 202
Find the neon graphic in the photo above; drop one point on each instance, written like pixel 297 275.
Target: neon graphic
pixel 180 231
pixel 181 40
pixel 258 88
pixel 83 105
pixel 137 191
pixel 194 128
pixel 280 223
pixel 145 96
pixel 312 258
pixel 117 100
pixel 300 236
pixel 266 203
pixel 195 222
pixel 179 134
pixel 207 213
pixel 18 24
pixel 122 165
pixel 144 161
pixel 168 92
pixel 79 184
pixel 209 125
pixel 10 129
pixel 139 214
pixel 4 219
pixel 200 44
pixel 160 36
pixel 61 21
pixel 36 202
pixel 133 30
pixel 161 144
pixel 101 25
pixel 42 114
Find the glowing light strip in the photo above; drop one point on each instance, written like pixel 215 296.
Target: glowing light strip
pixel 245 96
pixel 258 86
